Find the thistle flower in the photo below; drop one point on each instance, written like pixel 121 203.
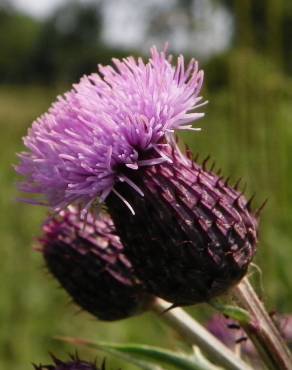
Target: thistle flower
pixel 109 122
pixel 74 363
pixel 192 236
pixel 112 138
pixel 89 263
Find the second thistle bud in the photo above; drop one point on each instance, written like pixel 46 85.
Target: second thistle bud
pixel 74 363
pixel 192 236
pixel 87 259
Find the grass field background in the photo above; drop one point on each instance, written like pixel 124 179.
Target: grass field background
pixel 247 130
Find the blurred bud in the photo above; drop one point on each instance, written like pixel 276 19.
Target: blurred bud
pixel 87 259
pixel 192 236
pixel 74 363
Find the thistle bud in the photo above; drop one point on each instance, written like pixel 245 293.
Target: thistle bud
pixel 192 236
pixel 74 363
pixel 87 259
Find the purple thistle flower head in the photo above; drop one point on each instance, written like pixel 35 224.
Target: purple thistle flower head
pixel 88 261
pixel 112 138
pixel 120 118
pixel 74 363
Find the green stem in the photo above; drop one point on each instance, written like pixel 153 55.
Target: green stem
pixel 262 330
pixel 196 334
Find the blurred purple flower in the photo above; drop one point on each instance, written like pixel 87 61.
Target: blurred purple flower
pixel 232 335
pixel 120 118
pixel 225 329
pixel 87 259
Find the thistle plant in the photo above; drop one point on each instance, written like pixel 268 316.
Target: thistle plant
pixel 184 234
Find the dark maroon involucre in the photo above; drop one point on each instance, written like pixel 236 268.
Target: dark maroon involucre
pixel 192 236
pixel 87 259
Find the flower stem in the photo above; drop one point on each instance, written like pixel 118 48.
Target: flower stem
pixel 262 330
pixel 196 334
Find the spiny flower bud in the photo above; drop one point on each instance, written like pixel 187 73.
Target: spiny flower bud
pixel 74 363
pixel 192 236
pixel 87 259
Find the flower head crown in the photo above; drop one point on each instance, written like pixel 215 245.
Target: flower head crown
pixel 121 117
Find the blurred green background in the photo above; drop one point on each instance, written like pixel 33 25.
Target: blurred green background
pixel 245 48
